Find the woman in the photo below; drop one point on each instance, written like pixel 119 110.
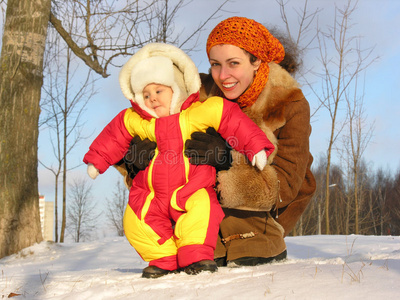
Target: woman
pixel 260 208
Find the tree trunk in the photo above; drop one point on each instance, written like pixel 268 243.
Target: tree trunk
pixel 319 218
pixel 327 216
pixel 64 203
pixel 347 228
pixel 56 208
pixel 356 200
pixel 65 138
pixel 371 211
pixel 21 80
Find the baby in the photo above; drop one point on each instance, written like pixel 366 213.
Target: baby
pixel 173 215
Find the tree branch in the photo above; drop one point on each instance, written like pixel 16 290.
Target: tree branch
pixel 91 63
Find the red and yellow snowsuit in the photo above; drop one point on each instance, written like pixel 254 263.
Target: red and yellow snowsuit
pixel 173 215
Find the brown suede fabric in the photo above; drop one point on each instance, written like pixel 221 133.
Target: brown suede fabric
pixel 287 216
pixel 287 183
pixel 267 242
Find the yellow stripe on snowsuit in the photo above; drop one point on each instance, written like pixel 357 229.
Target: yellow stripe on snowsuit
pixel 143 238
pixel 144 129
pixel 173 202
pixel 201 115
pixel 198 117
pixel 191 228
pixel 138 126
pixel 150 196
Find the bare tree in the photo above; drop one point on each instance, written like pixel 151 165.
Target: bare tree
pixel 82 215
pixel 355 141
pixel 303 36
pixel 314 211
pixel 116 207
pixel 338 74
pixel 66 93
pixel 106 29
pixel 65 98
pixel 313 220
pixel 382 193
pixel 110 29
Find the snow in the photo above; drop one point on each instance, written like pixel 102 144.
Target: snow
pixel 318 267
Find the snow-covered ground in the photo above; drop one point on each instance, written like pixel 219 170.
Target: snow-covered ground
pixel 318 267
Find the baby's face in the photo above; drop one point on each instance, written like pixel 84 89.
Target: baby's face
pixel 158 98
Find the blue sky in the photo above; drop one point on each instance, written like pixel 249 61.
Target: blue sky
pixel 378 22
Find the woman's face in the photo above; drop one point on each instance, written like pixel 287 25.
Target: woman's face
pixel 232 70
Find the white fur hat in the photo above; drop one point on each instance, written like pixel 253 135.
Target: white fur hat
pixel 155 69
pixel 163 64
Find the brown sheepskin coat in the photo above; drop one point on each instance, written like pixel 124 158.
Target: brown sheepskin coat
pixel 287 183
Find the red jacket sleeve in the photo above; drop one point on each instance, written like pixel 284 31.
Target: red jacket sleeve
pixel 110 145
pixel 242 133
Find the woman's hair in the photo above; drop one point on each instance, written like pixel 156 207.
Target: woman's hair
pixel 253 58
pixel 292 61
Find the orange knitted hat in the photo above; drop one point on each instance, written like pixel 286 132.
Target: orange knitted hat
pixel 255 39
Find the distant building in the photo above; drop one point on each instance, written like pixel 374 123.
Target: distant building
pixel 46 209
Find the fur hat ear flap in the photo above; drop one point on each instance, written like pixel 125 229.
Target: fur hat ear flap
pixel 183 94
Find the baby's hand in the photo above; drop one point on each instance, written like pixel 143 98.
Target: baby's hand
pixel 92 171
pixel 260 160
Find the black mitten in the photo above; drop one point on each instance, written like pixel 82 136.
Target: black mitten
pixel 139 154
pixel 209 149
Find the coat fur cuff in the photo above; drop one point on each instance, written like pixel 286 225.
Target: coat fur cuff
pixel 247 188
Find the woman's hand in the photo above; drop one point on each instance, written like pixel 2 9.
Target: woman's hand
pixel 139 155
pixel 209 148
